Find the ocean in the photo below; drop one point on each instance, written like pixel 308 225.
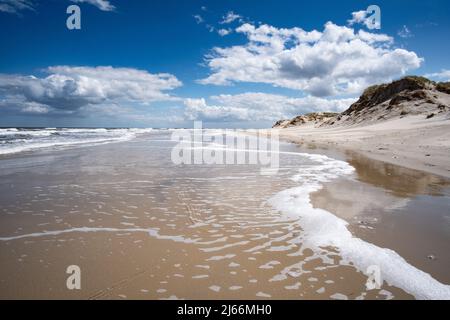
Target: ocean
pixel 14 140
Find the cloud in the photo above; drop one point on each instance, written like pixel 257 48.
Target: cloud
pixel 16 103
pixel 69 89
pixel 251 107
pixel 364 17
pixel 103 5
pixel 34 107
pixel 224 32
pixel 198 18
pixel 336 61
pixel 444 75
pixel 404 32
pixel 358 17
pixel 198 109
pixel 15 6
pixel 230 17
pixel 214 27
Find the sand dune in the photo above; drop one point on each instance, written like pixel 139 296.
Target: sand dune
pixel 405 123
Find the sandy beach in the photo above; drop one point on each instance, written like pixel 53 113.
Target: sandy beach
pixel 413 142
pixel 217 232
pixel 236 157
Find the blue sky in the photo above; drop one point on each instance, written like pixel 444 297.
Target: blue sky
pixel 154 64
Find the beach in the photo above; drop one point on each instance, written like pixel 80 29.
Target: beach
pixel 413 142
pixel 141 227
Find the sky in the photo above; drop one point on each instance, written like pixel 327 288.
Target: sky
pixel 228 63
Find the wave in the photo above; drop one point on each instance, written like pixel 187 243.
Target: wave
pixel 14 140
pixel 322 229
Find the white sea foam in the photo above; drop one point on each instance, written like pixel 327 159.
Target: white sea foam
pixel 323 229
pixel 15 140
pixel 73 230
pixel 150 231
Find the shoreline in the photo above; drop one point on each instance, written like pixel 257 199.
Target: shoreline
pixel 237 247
pixel 385 187
pixel 409 142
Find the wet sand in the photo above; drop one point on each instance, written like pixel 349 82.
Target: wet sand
pixel 413 142
pixel 156 231
pixel 398 208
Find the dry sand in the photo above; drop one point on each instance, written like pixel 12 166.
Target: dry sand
pixel 413 142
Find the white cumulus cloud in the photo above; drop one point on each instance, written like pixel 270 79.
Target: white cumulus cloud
pixel 257 106
pixel 336 61
pixel 72 88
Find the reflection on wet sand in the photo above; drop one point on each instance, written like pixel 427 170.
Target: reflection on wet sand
pixel 402 182
pixel 395 207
